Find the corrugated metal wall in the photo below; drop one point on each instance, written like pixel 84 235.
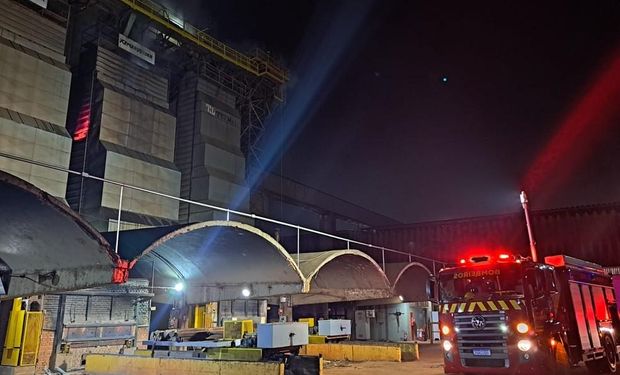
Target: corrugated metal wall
pixel 208 151
pixel 591 233
pixel 131 78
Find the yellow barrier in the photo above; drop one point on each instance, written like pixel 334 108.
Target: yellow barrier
pixel 111 364
pixel 408 349
pixel 309 321
pixel 354 353
pixel 316 339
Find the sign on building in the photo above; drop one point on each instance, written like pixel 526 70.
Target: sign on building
pixel 41 3
pixel 136 49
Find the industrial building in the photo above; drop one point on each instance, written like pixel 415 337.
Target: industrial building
pixel 136 121
pixel 126 138
pixel 593 234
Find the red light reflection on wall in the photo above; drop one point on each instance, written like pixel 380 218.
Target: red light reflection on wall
pixel 83 123
pixel 577 135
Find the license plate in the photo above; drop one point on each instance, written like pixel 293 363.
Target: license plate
pixel 482 352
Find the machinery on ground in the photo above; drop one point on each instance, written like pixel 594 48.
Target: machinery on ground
pixel 504 314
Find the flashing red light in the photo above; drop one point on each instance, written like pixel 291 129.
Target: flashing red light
pixel 462 261
pixel 504 256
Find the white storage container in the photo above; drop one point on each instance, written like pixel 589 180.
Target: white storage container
pixel 334 327
pixel 281 335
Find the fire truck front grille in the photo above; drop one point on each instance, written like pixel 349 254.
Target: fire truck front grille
pixel 482 344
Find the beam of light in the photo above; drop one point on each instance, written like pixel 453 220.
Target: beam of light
pixel 328 40
pixel 578 134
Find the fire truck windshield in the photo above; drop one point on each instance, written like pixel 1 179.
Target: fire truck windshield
pixel 480 282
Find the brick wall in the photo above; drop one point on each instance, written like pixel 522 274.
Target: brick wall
pixel 142 334
pixel 45 351
pixel 119 308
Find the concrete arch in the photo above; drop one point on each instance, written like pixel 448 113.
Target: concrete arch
pixel 412 281
pixel 339 275
pixel 215 259
pixel 42 237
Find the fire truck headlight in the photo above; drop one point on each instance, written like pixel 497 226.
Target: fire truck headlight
pixel 524 345
pixel 503 328
pixel 445 330
pixel 523 328
pixel 447 345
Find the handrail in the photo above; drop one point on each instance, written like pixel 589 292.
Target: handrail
pixel 228 211
pixel 260 64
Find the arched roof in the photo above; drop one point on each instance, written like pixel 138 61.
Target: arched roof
pixel 40 236
pixel 215 260
pixel 410 280
pixel 338 275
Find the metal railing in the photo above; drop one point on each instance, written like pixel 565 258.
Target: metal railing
pixel 261 64
pixel 298 228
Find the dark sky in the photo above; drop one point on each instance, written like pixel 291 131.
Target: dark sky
pixel 371 119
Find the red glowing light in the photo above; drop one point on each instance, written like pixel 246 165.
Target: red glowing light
pixel 504 256
pixel 462 261
pixel 83 123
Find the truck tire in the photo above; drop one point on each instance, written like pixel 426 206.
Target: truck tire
pixel 608 364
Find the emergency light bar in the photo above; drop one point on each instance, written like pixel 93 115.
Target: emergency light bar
pixel 502 257
pixel 566 261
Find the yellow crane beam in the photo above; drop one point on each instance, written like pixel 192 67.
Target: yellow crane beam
pixel 259 65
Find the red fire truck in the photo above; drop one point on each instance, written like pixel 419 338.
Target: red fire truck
pixel 504 314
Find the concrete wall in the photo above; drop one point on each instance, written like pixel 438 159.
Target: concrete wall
pixel 32 86
pixel 131 123
pixel 394 322
pixel 134 365
pixel 34 95
pixel 242 309
pixel 41 145
pixel 140 173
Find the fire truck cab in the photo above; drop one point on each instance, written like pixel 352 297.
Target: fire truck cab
pixel 504 314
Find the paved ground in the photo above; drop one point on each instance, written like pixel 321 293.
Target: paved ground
pixel 430 363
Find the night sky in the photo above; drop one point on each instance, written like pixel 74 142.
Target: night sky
pixel 435 110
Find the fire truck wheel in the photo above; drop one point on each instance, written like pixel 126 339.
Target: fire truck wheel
pixel 607 365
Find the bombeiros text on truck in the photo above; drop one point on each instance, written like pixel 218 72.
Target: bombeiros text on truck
pixel 501 313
